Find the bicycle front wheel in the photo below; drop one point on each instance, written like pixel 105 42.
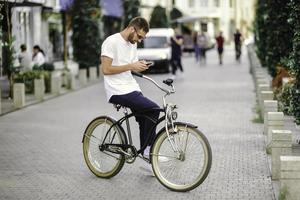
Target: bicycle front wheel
pixel 182 161
pixel 103 164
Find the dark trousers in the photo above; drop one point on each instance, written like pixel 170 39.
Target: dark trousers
pixel 176 63
pixel 137 103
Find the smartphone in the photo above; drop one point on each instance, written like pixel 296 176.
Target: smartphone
pixel 149 63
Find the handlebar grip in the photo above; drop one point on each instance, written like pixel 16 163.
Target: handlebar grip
pixel 137 74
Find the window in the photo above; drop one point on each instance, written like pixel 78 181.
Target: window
pixel 203 3
pixel 231 2
pixel 191 3
pixel 154 42
pixel 217 3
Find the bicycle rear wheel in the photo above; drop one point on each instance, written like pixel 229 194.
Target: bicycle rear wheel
pixel 103 164
pixel 181 162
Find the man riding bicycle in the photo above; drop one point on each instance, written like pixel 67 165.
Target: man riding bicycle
pixel 118 59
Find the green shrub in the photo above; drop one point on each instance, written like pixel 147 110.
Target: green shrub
pixel 28 79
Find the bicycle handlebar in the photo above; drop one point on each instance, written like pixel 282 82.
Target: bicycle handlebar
pixel 168 82
pixel 137 74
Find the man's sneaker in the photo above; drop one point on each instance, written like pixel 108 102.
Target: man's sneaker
pixel 146 153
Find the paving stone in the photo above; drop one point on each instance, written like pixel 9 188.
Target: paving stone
pixel 41 150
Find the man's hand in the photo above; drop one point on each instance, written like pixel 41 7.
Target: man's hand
pixel 139 66
pixel 108 69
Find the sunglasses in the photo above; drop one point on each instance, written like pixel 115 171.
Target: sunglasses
pixel 140 37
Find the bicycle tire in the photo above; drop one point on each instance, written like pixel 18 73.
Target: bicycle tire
pixel 96 159
pixel 185 165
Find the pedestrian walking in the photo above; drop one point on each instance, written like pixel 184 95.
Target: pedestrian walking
pixel 220 46
pixel 238 44
pixel 202 42
pixel 176 43
pixel 196 46
pixel 24 59
pixel 38 58
pixel 118 59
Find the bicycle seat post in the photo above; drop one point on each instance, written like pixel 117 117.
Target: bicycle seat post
pixel 128 126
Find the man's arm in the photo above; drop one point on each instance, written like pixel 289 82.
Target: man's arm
pixel 108 69
pixel 178 41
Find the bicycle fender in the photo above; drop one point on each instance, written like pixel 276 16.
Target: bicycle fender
pixel 189 125
pixel 109 118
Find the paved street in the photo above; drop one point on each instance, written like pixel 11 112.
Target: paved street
pixel 41 150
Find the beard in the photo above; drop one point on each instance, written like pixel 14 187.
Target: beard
pixel 130 38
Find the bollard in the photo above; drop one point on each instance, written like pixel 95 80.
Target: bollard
pixel 0 103
pixel 19 95
pixel 261 81
pixel 290 177
pixel 275 122
pixel 55 84
pixel 260 88
pixel 82 77
pixel 265 95
pixel 93 73
pixel 71 81
pixel 39 89
pixel 100 72
pixel 281 145
pixel 269 106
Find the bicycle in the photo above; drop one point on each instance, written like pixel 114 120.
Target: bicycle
pixel 180 154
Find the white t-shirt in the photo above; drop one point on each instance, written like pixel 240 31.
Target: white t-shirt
pixel 122 53
pixel 38 59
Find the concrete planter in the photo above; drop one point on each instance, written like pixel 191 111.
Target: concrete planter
pixel 55 84
pixel 93 73
pixel 290 177
pixel 281 145
pixel 275 122
pixel 39 89
pixel 0 103
pixel 269 106
pixel 19 95
pixel 83 77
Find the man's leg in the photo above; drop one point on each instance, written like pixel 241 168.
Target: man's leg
pixel 137 102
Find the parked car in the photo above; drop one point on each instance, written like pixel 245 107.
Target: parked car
pixel 156 47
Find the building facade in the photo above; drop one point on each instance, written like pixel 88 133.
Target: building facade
pixel 30 24
pixel 210 16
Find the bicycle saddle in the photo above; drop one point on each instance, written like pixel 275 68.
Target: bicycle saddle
pixel 117 106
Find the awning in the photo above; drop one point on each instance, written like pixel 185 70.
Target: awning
pixel 186 19
pixel 18 3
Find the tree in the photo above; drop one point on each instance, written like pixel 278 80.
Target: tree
pixel 131 10
pixel 274 32
pixel 294 60
pixel 86 33
pixel 7 40
pixel 159 18
pixel 261 30
pixel 175 14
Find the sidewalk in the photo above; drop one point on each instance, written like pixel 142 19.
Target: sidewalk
pixel 7 105
pixel 41 150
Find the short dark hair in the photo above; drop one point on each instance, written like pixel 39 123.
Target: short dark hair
pixel 23 47
pixel 140 23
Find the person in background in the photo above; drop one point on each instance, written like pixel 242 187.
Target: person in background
pixel 38 58
pixel 24 59
pixel 238 44
pixel 220 46
pixel 176 43
pixel 196 46
pixel 202 42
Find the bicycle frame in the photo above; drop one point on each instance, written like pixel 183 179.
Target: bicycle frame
pixel 167 110
pixel 129 135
